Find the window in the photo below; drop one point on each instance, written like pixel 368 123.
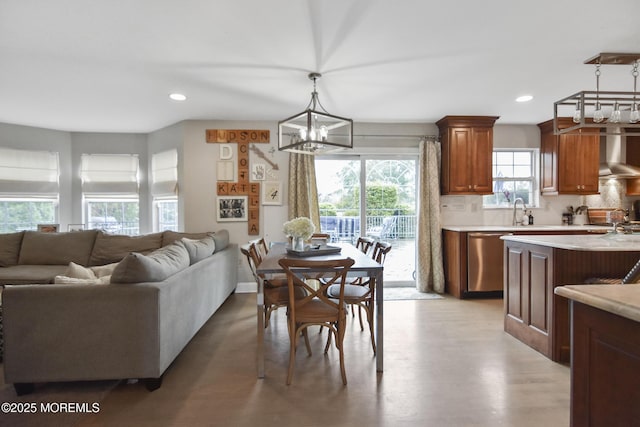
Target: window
pixel 28 189
pixel 164 189
pixel 514 176
pixel 110 192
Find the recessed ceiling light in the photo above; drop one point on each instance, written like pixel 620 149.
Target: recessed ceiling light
pixel 524 98
pixel 177 97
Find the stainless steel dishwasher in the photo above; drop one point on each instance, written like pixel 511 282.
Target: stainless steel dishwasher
pixel 485 260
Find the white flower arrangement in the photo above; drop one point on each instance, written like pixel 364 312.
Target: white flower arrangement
pixel 300 227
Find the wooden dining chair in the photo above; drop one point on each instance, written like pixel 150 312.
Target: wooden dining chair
pixel 365 243
pixel 362 293
pixel 316 308
pixel 276 294
pixel 261 246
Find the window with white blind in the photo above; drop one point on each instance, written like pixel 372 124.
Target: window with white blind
pixel 110 192
pixel 514 176
pixel 164 189
pixel 29 189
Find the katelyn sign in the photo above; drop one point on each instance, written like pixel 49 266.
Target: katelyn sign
pixel 244 194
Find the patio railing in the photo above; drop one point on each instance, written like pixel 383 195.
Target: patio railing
pixel 347 228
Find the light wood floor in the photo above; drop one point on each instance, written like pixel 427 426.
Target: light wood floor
pixel 447 363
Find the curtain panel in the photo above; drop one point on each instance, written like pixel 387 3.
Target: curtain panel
pixel 303 192
pixel 430 270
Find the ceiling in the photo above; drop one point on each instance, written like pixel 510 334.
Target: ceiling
pixel 109 66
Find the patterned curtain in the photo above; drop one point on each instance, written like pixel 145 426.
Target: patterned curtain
pixel 430 270
pixel 303 192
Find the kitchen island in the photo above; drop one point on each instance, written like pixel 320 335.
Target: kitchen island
pixel 605 360
pixel 535 265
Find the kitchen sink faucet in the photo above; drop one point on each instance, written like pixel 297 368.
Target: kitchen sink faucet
pixel 524 210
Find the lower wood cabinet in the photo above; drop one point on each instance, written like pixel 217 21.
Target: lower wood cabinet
pixel 605 364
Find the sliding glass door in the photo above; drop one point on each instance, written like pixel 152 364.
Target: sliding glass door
pixel 373 196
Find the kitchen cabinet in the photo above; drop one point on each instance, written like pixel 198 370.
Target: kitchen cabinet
pixel 633 158
pixel 533 313
pixel 569 163
pixel 457 255
pixel 467 149
pixel 605 356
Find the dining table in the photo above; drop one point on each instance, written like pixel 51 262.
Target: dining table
pixel 364 266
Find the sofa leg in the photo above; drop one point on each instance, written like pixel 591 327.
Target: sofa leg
pixel 24 388
pixel 153 383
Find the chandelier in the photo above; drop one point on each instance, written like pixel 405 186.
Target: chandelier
pixel 614 113
pixel 315 131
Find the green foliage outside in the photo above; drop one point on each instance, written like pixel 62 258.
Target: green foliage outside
pixel 16 216
pixel 382 200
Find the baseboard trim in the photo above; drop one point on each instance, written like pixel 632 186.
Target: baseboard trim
pixel 247 288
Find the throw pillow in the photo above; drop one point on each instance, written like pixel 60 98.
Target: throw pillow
pixel 169 236
pixel 79 272
pixel 155 267
pixel 65 280
pixel 199 249
pixel 222 239
pixel 103 270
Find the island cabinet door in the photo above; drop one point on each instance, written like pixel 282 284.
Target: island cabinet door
pixel 528 289
pixel 605 362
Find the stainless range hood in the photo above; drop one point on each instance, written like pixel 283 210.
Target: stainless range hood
pixel 613 149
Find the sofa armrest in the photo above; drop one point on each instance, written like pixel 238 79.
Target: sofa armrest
pixel 64 332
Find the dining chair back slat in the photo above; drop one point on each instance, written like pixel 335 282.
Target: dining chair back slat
pixel 316 308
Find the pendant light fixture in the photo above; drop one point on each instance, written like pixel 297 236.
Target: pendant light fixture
pixel 612 112
pixel 315 131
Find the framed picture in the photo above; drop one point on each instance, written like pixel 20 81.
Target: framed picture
pixel 272 193
pixel 232 208
pixel 259 172
pixel 48 228
pixel 75 227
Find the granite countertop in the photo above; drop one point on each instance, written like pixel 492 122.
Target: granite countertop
pixel 512 228
pixel 622 300
pixel 582 242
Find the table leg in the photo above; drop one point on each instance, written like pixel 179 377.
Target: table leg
pixel 379 322
pixel 260 313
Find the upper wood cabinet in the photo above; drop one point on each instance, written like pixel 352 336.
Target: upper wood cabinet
pixel 633 158
pixel 569 163
pixel 467 148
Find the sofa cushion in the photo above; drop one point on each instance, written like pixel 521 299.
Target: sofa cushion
pixel 56 248
pixel 221 238
pixel 169 236
pixel 110 248
pixel 155 267
pixel 10 248
pixel 30 274
pixel 199 249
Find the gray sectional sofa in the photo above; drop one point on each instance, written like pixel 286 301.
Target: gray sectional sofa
pixel 63 321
